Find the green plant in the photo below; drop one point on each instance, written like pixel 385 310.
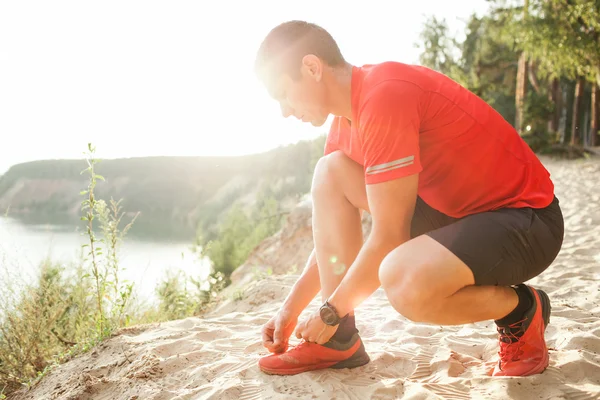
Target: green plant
pixel 240 232
pixel 537 110
pixel 110 217
pixel 42 320
pixel 69 308
pixel 111 294
pixel 89 208
pixel 238 295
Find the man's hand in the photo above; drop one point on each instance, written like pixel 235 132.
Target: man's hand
pixel 314 330
pixel 277 331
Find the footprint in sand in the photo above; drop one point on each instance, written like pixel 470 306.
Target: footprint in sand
pixel 144 368
pixel 176 347
pixel 254 348
pixel 460 362
pixel 572 393
pixel 449 391
pixel 251 390
pixel 394 325
pixel 208 335
pixel 455 365
pixel 391 391
pixel 423 369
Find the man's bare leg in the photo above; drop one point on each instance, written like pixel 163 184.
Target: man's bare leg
pixel 407 273
pixel 338 195
pixel 426 282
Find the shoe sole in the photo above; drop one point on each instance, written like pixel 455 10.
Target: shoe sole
pixel 358 359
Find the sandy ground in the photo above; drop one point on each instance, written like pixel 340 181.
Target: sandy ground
pixel 215 356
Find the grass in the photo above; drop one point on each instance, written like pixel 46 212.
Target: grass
pixel 69 308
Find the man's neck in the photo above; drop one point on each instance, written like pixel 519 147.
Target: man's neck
pixel 339 81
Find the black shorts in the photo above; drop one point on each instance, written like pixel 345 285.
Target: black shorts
pixel 502 247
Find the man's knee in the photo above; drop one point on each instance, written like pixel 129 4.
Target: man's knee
pixel 403 279
pixel 327 168
pixel 336 173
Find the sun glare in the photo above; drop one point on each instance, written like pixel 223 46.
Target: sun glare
pixel 166 78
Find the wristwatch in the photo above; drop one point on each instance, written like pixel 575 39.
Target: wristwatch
pixel 329 314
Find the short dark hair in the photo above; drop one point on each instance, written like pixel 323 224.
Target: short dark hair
pixel 285 45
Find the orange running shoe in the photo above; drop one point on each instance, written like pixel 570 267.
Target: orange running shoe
pixel 311 356
pixel 527 354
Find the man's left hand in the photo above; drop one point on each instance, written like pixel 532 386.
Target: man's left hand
pixel 314 330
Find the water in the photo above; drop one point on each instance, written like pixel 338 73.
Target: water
pixel 145 260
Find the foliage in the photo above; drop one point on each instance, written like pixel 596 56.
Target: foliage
pixel 562 35
pixel 537 108
pixel 176 300
pixel 111 295
pixel 240 232
pixel 69 308
pixel 44 320
pixel 439 49
pixel 559 42
pixel 483 62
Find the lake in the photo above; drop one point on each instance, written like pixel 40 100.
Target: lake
pixel 145 259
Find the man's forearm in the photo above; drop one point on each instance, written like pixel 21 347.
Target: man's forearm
pixel 306 287
pixel 362 278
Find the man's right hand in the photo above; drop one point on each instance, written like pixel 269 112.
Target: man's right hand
pixel 277 331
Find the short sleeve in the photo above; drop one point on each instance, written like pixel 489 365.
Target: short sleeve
pixel 389 129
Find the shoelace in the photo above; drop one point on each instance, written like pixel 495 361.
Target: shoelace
pixel 510 345
pixel 296 346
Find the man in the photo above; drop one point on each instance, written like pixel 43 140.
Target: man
pixel 463 212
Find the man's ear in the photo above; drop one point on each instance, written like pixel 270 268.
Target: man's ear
pixel 312 66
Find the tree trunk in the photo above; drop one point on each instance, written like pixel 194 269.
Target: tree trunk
pixel 576 106
pixel 535 84
pixel 555 97
pixel 521 91
pixel 595 110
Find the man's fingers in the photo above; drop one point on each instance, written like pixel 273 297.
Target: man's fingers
pixel 267 336
pixel 299 329
pixel 278 334
pixel 267 339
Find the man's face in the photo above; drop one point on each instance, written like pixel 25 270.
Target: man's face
pixel 304 98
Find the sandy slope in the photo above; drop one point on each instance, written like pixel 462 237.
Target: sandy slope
pixel 215 356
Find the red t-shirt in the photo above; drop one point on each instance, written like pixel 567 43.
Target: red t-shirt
pixel 409 119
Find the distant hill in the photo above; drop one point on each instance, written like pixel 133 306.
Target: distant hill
pixel 172 194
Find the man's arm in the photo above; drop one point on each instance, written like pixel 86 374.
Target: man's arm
pixel 392 205
pixel 305 289
pixel 389 120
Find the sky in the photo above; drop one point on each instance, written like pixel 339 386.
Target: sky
pixel 146 78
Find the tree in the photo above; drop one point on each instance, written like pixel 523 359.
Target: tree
pixel 562 37
pixel 522 74
pixel 439 49
pixel 483 62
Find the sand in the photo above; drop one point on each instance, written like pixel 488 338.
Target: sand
pixel 215 356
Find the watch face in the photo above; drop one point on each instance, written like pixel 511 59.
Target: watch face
pixel 328 316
